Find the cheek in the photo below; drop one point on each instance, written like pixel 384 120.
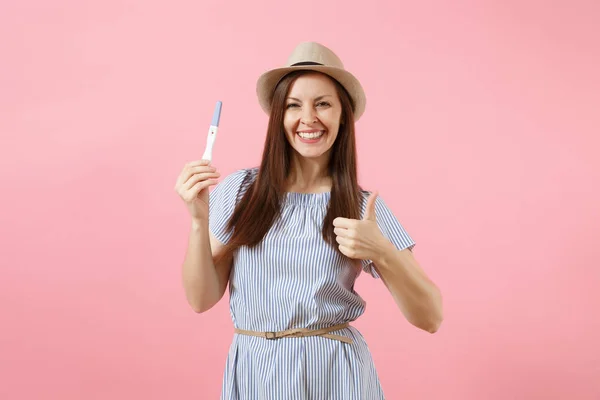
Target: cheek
pixel 288 124
pixel 333 118
pixel 290 118
pixel 333 126
pixel 333 137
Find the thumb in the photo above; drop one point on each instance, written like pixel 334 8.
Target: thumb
pixel 370 209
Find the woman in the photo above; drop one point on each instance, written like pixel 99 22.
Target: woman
pixel 290 238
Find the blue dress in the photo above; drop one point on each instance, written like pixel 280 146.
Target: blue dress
pixel 294 279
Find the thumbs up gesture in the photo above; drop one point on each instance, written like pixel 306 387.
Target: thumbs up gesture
pixel 361 239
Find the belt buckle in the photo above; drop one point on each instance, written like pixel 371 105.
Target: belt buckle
pixel 270 335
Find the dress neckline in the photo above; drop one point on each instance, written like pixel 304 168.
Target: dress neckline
pixel 321 198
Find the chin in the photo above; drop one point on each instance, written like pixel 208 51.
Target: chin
pixel 312 154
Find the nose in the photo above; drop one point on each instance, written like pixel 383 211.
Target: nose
pixel 308 116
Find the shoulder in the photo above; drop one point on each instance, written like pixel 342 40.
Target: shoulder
pixel 236 183
pixel 381 207
pixel 240 176
pixel 365 194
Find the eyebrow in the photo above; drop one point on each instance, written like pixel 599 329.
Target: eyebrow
pixel 317 99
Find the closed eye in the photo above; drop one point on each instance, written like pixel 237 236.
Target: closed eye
pixel 319 104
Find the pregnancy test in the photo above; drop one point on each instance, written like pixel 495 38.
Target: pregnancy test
pixel 212 132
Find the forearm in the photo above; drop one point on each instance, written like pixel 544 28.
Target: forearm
pixel 200 278
pixel 416 295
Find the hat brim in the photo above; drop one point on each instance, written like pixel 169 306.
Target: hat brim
pixel 267 82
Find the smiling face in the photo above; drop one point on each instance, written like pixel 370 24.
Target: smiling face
pixel 312 115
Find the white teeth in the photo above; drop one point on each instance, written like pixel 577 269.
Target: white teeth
pixel 306 135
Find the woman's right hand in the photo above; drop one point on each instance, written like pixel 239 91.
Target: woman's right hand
pixel 192 186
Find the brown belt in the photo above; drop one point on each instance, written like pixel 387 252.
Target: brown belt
pixel 301 332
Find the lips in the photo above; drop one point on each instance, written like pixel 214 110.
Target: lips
pixel 312 134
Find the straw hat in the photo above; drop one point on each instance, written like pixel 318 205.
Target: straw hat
pixel 315 57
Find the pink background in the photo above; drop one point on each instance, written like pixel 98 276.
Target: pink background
pixel 481 132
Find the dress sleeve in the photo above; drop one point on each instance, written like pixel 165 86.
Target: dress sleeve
pixel 390 227
pixel 222 202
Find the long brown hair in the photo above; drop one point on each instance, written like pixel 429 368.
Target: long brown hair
pixel 259 207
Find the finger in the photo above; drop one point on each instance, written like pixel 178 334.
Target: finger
pixel 188 172
pixel 343 232
pixel 190 168
pixel 197 163
pixel 197 188
pixel 370 208
pixel 344 241
pixel 183 186
pixel 340 222
pixel 346 251
pixel 198 178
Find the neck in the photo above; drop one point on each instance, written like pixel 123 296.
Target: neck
pixel 308 175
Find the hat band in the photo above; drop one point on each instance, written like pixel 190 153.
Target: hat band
pixel 305 63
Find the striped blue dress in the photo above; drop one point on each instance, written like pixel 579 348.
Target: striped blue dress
pixel 294 279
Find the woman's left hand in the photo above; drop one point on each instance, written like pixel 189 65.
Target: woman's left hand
pixel 361 239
